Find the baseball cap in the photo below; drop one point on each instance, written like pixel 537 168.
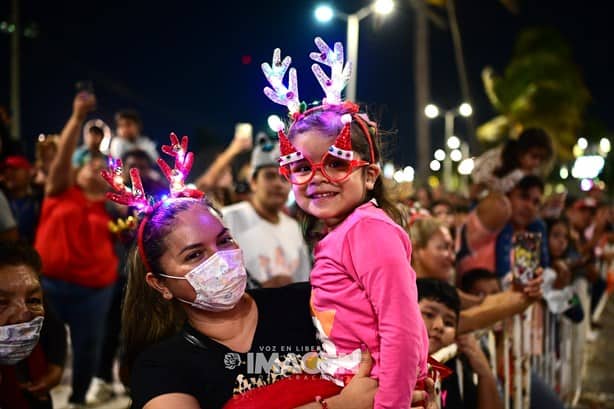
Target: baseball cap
pixel 584 203
pixel 17 162
pixel 265 152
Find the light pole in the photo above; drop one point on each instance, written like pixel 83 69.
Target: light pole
pixel 450 141
pixel 325 13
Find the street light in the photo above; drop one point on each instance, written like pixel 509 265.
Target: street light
pixel 450 141
pixel 325 13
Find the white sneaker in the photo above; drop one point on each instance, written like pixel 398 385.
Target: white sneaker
pixel 104 393
pixel 76 406
pixel 591 335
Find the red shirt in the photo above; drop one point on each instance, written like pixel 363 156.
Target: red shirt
pixel 74 241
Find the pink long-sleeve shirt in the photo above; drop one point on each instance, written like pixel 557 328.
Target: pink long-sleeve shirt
pixel 364 292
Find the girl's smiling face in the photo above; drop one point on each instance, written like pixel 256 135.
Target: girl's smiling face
pixel 329 201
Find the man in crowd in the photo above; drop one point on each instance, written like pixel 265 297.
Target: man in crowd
pixel 129 136
pixel 273 246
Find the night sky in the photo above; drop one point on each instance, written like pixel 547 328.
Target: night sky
pixel 182 65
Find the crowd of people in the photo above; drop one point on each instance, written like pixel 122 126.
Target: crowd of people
pixel 224 300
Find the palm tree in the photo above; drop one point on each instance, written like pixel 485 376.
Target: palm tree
pixel 541 87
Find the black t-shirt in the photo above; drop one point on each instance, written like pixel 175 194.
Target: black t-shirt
pixel 193 364
pixel 450 391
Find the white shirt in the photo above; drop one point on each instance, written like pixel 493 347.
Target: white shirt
pixel 120 146
pixel 268 249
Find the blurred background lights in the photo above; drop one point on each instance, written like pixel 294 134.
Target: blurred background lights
pixel 465 109
pixel 324 13
pixel 586 185
pixel 440 154
pixel 582 143
pixel 453 142
pixel 435 165
pixel 431 111
pixel 456 155
pixel 465 167
pixel 587 167
pixel 564 172
pixel 274 122
pixel 388 170
pixel 605 146
pixel 383 6
pixel 404 175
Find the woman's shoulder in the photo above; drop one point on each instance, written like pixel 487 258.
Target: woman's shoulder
pixel 167 351
pixel 173 365
pixel 291 296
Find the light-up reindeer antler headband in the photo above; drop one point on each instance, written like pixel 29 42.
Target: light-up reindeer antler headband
pixel 332 86
pixel 137 197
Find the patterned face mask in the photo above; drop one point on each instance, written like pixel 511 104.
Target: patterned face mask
pixel 17 341
pixel 219 281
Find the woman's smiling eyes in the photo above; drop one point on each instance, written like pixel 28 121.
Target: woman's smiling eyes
pixel 223 242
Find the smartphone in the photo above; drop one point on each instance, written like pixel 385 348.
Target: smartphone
pixel 244 130
pixel 526 252
pixel 84 86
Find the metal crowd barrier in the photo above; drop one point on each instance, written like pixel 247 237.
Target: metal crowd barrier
pixel 549 345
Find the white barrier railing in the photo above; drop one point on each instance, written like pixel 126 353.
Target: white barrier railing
pixel 538 343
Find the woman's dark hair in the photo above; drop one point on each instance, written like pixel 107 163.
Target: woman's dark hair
pixel 328 121
pixel 19 254
pixel 146 316
pixel 530 138
pixel 439 291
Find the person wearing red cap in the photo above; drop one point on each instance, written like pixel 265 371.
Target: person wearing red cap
pixel 76 247
pixel 23 200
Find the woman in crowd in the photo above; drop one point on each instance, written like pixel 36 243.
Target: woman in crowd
pixel 193 336
pixel 32 339
pixel 433 257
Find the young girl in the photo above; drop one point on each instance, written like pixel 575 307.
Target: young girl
pixel 499 169
pixel 363 287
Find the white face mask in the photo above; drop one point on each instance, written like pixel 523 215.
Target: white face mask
pixel 17 341
pixel 219 281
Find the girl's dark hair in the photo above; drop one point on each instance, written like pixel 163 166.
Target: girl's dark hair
pixel 328 121
pixel 551 222
pixel 146 316
pixel 528 139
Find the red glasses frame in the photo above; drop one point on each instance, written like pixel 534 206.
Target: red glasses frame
pixel 354 164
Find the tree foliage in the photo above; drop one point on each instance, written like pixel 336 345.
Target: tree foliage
pixel 540 87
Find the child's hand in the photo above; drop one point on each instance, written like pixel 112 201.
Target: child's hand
pixel 468 345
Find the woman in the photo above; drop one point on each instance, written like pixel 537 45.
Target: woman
pixel 193 340
pixel 433 257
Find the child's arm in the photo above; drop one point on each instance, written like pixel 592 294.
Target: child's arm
pixel 488 395
pixel 380 255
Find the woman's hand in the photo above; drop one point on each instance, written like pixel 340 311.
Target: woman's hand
pixel 533 288
pixel 41 387
pixel 360 392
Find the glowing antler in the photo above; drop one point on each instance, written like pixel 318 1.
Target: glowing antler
pixel 183 164
pixel 123 195
pixel 274 73
pixel 340 74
